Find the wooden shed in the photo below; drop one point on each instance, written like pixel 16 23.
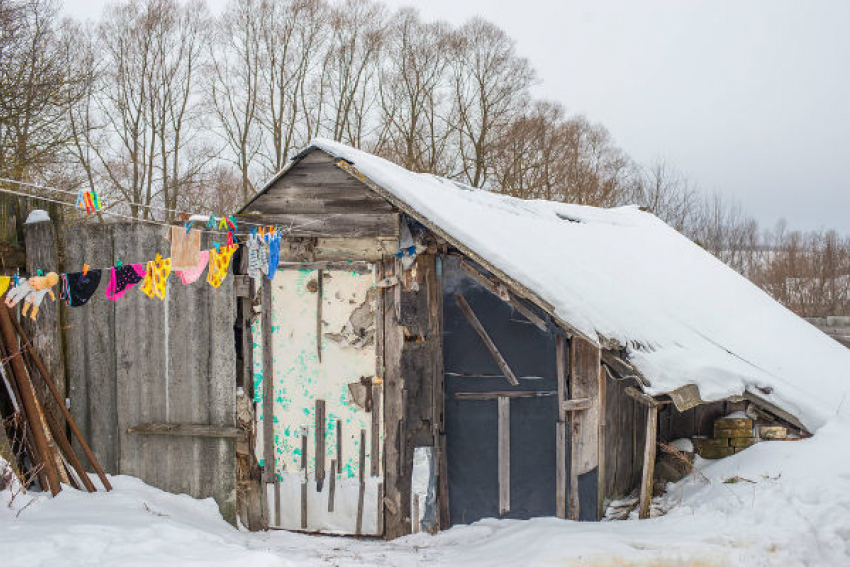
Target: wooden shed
pixel 415 362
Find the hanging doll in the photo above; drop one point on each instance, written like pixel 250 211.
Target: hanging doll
pixel 32 291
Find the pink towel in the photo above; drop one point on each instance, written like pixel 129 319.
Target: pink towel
pixel 191 276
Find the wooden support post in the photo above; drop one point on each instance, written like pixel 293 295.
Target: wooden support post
pixel 488 342
pixel 504 433
pixel 304 480
pixel 380 511
pixel 339 445
pixel 561 429
pixel 601 440
pixel 648 462
pixel 269 472
pixel 561 469
pixel 375 446
pixel 584 425
pixel 358 530
pixel 319 296
pixel 28 400
pixel 320 444
pixel 60 403
pixel 332 486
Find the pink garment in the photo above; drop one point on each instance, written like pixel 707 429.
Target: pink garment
pixel 122 279
pixel 191 276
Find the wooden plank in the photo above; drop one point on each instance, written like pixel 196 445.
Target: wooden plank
pixel 601 485
pixel 414 516
pixel 642 398
pixel 269 469
pixel 305 479
pixel 561 469
pixel 504 436
pixel 584 383
pixel 488 342
pixel 336 250
pixel 277 501
pixel 188 430
pixel 380 510
pixel 502 293
pixel 504 394
pixel 319 297
pixel 375 445
pixel 339 443
pixel 320 444
pixel 349 225
pixel 578 404
pixel 648 462
pixel 358 530
pixel 561 370
pixel 332 486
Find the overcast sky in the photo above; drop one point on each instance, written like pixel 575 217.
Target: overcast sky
pixel 747 98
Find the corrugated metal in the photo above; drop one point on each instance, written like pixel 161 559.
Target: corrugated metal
pixel 141 360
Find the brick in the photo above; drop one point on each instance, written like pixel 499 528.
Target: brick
pixel 773 432
pixel 742 442
pixel 731 432
pixel 716 452
pixel 733 423
pixel 701 442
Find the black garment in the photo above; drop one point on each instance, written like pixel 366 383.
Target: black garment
pixel 77 288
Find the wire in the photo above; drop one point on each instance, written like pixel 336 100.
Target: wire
pixel 288 230
pixel 124 201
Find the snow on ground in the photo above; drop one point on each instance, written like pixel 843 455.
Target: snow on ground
pixel 788 504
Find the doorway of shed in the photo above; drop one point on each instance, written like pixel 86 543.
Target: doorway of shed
pixel 325 405
pixel 500 438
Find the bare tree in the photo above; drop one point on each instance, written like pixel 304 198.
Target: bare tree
pixel 490 87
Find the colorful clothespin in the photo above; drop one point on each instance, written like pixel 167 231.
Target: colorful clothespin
pixel 117 262
pixel 222 224
pixel 217 247
pixel 230 238
pixel 39 272
pixel 211 222
pixel 231 222
pixel 188 226
pixel 85 269
pixel 16 279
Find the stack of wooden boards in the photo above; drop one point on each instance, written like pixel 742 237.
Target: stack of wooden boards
pixel 34 419
pixel 733 434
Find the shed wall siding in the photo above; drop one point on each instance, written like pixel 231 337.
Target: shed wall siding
pixel 142 360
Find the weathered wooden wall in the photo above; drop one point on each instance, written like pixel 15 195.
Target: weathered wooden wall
pixel 142 360
pixel 625 424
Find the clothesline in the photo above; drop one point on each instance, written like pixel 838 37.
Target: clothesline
pixel 194 217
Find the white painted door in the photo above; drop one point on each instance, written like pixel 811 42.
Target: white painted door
pixel 324 354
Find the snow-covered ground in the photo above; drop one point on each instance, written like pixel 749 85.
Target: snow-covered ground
pixel 790 505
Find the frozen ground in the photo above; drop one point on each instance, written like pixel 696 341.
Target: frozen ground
pixel 790 506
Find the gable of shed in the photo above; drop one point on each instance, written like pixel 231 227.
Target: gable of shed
pixel 315 198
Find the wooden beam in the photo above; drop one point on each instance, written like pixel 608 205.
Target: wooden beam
pixel 561 469
pixel 642 398
pixel 648 462
pixel 375 445
pixel 561 430
pixel 348 225
pixel 578 404
pixel 502 293
pixel 361 493
pixel 305 479
pixel 584 425
pixel 332 486
pixel 319 294
pixel 320 444
pixel 188 430
pixel 269 472
pixel 504 435
pixel 504 394
pixel 488 342
pixel 601 440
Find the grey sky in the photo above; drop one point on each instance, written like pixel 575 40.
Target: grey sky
pixel 748 98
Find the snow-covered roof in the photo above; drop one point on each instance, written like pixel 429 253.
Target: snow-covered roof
pixel 622 274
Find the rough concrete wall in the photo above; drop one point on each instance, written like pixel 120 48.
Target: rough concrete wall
pixel 141 360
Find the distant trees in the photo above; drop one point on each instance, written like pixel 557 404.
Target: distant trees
pixel 161 104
